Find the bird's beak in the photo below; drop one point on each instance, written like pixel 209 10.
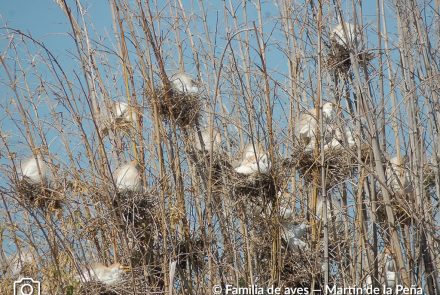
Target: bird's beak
pixel 126 268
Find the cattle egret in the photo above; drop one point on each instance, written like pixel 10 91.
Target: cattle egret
pixel 35 171
pixel 98 272
pixel 338 35
pixel 184 83
pixel 293 234
pixel 398 177
pixel 209 142
pixel 124 113
pixel 253 160
pixel 340 138
pixel 334 213
pixel 308 125
pixel 128 178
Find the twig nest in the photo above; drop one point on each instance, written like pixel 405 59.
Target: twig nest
pixel 338 162
pixel 35 185
pixel 180 103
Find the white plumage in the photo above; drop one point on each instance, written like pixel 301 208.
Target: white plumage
pixel 184 83
pixel 293 234
pixel 307 129
pixel 308 125
pixel 253 160
pixel 398 177
pixel 128 178
pixel 123 112
pixel 35 171
pixel 338 36
pixel 209 143
pixel 98 272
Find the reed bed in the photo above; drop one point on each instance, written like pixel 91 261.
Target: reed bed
pixel 198 223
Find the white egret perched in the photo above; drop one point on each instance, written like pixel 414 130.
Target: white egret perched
pixel 123 113
pixel 184 83
pixel 308 125
pixel 337 35
pixel 98 272
pixel 209 142
pixel 128 178
pixel 398 177
pixel 253 160
pixel 35 171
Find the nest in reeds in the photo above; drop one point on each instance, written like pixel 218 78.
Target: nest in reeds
pixel 258 187
pixel 338 163
pixel 39 196
pixel 176 106
pixel 191 252
pixel 217 166
pixel 400 210
pixel 131 283
pixel 298 268
pixel 137 211
pixel 339 58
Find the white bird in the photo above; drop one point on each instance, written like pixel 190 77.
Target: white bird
pixel 334 213
pixel 128 178
pixel 124 113
pixel 339 139
pixel 294 235
pixel 338 36
pixel 308 125
pixel 184 83
pixel 98 272
pixel 398 177
pixel 35 170
pixel 209 142
pixel 253 160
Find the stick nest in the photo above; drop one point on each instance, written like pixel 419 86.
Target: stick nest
pixel 175 106
pixel 339 58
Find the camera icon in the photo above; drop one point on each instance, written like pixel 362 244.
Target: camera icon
pixel 26 286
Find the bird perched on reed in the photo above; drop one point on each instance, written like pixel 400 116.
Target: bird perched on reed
pixel 128 178
pixel 254 160
pixel 98 272
pixel 398 176
pixel 35 171
pixel 293 233
pixel 184 83
pixel 339 37
pixel 209 142
pixel 123 113
pixel 307 128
